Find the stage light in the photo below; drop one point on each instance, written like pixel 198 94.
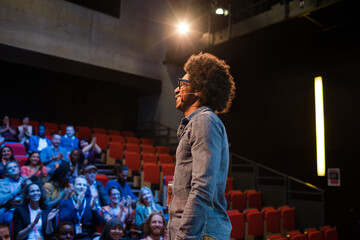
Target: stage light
pixel 221 11
pixel 183 28
pixel 320 128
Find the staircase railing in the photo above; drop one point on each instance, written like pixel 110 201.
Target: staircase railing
pixel 279 189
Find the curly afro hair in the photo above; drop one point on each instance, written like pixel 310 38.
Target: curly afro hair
pixel 211 76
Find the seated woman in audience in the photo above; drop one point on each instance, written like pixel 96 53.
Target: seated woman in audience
pixel 76 166
pixel 25 132
pixel 145 207
pixel 34 166
pixel 79 210
pixel 118 209
pixel 89 150
pixel 33 219
pixel 6 154
pixel 8 132
pixel 65 231
pixel 154 228
pixel 58 187
pixel 113 230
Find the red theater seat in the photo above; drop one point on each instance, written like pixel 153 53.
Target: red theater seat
pixel 17 148
pixel 229 185
pixel 237 223
pixel 271 220
pixel 114 132
pixel 84 132
pixel 102 178
pixel 146 141
pixel 102 141
pixel 330 234
pixel 131 147
pixel 134 140
pixel 21 160
pixel 162 149
pixel 237 200
pixel 167 169
pixel 287 220
pixel 132 161
pixel 253 223
pixel 150 174
pixel 149 157
pixel 35 125
pixel 128 134
pixel 253 199
pixel 99 130
pixel 148 149
pixel 299 237
pixel 117 138
pixel 273 236
pixel 315 235
pixel 165 158
pixel 14 122
pixel 51 127
pixel 114 152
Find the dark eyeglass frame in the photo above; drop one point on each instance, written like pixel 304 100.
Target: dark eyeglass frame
pixel 182 80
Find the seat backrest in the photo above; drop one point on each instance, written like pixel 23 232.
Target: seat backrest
pixel 84 132
pixel 238 200
pixel 131 147
pixel 35 125
pixel 254 221
pixel 300 236
pixel 288 216
pixel 17 148
pixel 229 184
pixel 289 234
pixel 146 141
pixel 272 218
pixel 114 132
pixel 21 160
pixel 273 236
pixel 330 234
pixel 148 149
pixel 102 178
pixel 52 127
pixel 102 140
pixel 165 158
pixel 132 160
pixel 167 169
pixel 117 138
pixel 14 122
pixel 149 157
pixel 151 173
pixel 116 150
pixel 162 149
pixel 253 199
pixel 99 130
pixel 128 134
pixel 134 140
pixel 315 235
pixel 238 224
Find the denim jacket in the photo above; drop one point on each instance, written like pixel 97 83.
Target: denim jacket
pixel 198 205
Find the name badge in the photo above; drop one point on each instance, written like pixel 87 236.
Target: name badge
pixel 78 228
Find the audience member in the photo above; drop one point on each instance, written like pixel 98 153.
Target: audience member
pixel 33 219
pixel 96 187
pixel 69 141
pixel 8 132
pixel 39 142
pixel 53 155
pixel 145 207
pixel 113 230
pixel 76 166
pixel 34 166
pixel 154 227
pixel 89 150
pixel 6 154
pixel 118 209
pixel 79 210
pixel 122 172
pixel 10 191
pixel 4 232
pixel 25 132
pixel 65 231
pixel 58 187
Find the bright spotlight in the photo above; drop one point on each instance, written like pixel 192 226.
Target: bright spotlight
pixel 183 28
pixel 219 11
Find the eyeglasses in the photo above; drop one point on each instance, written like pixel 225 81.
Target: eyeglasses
pixel 182 82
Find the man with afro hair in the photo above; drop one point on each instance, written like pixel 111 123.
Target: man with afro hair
pixel 198 207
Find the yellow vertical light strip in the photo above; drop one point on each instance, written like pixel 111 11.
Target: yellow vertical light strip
pixel 320 129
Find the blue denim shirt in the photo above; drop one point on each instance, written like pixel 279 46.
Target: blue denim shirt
pixel 49 152
pixel 198 205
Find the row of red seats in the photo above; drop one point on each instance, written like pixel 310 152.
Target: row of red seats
pixel 324 233
pixel 81 131
pixel 236 199
pixel 252 222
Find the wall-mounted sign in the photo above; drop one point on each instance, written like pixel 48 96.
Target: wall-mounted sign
pixel 333 176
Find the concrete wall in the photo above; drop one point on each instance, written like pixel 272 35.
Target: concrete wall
pixel 132 43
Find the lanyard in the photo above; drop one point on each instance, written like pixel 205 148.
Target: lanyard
pixel 83 211
pixel 36 227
